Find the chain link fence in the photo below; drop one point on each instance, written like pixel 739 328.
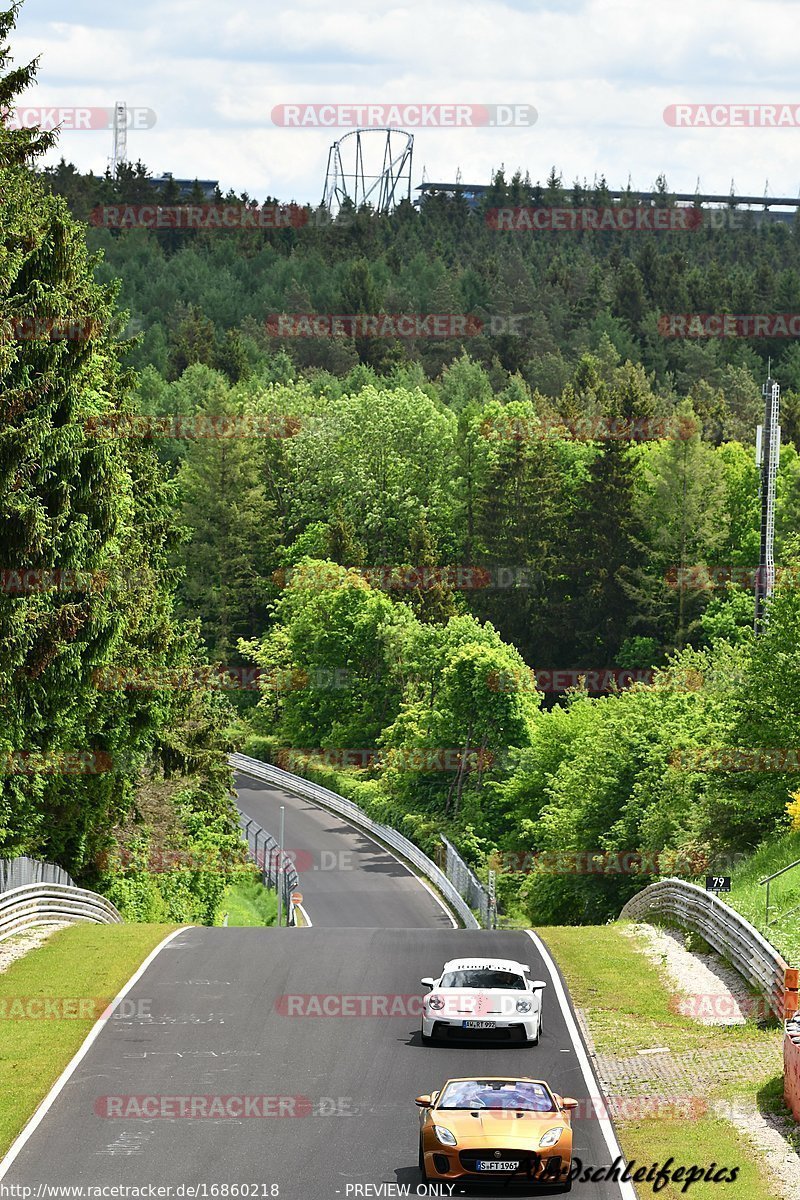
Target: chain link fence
pixel 467 884
pixel 278 872
pixel 356 816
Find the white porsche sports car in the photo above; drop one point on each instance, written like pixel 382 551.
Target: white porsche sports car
pixel 483 998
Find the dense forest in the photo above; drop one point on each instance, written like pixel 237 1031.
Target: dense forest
pixel 356 555
pixel 87 579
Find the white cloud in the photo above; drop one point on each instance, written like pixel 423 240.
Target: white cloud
pixel 600 74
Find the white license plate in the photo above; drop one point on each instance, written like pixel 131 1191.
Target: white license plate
pixel 490 1164
pixel 479 1024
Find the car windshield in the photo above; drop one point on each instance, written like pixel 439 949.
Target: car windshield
pixel 497 1093
pixel 483 978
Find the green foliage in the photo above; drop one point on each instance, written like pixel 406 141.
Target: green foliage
pixel 88 517
pixel 434 519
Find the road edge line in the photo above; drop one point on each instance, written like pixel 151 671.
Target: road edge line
pixel 38 1115
pixel 352 825
pixel 626 1189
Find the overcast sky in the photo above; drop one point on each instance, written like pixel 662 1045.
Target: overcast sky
pixel 599 73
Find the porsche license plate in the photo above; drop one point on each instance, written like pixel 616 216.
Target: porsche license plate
pixel 490 1164
pixel 479 1024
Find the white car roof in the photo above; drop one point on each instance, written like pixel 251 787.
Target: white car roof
pixel 484 964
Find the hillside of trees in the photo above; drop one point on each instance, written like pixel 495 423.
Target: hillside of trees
pixel 87 579
pixel 206 296
pixel 392 534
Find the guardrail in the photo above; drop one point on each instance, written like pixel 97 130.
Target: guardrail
pixel 50 904
pixel 274 868
pixel 346 808
pixel 728 932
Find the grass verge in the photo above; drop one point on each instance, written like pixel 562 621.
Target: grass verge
pixel 702 1143
pixel 88 963
pixel 249 903
pixel 748 896
pixel 629 1007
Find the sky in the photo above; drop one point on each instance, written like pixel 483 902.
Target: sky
pixel 599 74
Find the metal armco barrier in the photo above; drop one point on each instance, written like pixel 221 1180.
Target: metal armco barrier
pixel 52 903
pixel 268 858
pixel 727 931
pixel 346 808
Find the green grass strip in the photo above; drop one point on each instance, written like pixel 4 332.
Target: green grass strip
pixel 86 964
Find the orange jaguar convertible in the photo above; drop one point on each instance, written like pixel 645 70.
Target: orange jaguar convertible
pixel 517 1130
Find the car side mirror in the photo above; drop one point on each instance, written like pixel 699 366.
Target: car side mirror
pixel 423 1101
pixel 536 985
pixel 427 981
pixel 568 1102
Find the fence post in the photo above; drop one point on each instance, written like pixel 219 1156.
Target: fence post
pixel 281 867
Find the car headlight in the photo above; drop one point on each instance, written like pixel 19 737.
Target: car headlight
pixel 436 1002
pixel 444 1135
pixel 524 1005
pixel 551 1137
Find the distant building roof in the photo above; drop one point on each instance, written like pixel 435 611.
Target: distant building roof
pixel 478 189
pixel 186 186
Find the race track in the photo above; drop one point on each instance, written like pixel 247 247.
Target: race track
pixel 211 1022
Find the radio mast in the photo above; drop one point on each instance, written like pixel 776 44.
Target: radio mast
pixel 120 154
pixel 768 446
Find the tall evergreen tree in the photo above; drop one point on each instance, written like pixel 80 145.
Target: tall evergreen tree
pixel 88 530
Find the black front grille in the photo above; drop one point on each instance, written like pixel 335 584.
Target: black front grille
pixel 528 1162
pixel 506 1033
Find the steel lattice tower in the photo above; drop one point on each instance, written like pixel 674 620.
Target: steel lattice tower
pixel 768 445
pixel 120 154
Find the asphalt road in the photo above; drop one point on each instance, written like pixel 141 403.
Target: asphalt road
pixel 346 879
pixel 210 1021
